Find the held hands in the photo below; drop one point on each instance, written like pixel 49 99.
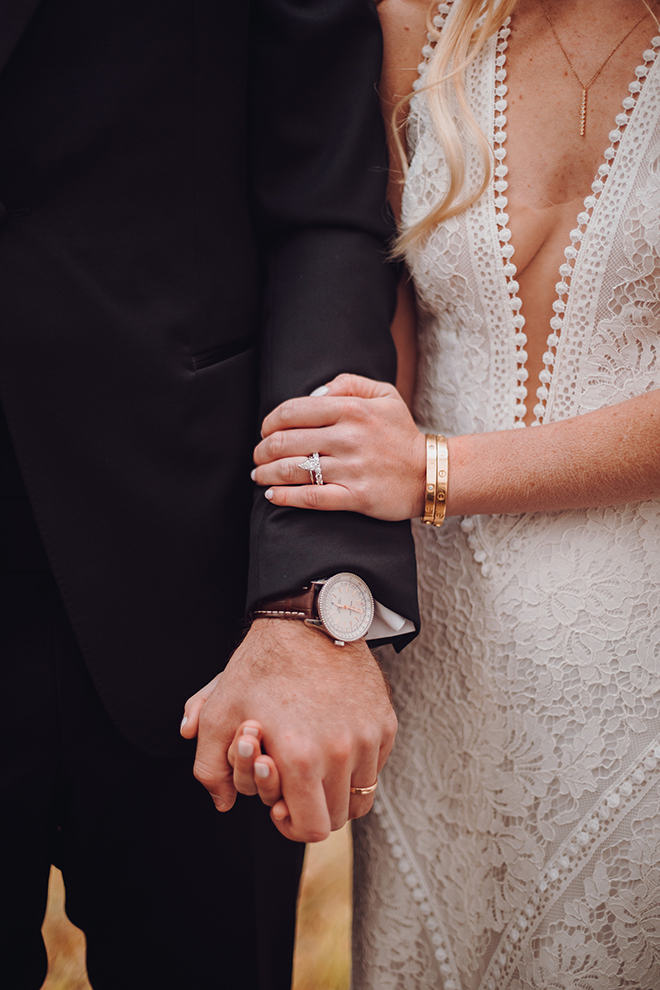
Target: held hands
pixel 373 457
pixel 254 771
pixel 321 711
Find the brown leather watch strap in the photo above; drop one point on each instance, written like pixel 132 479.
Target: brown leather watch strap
pixel 297 605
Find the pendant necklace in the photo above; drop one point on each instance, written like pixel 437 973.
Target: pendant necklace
pixel 586 86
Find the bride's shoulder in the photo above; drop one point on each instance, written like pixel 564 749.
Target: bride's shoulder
pixel 405 22
pixel 405 11
pixel 405 25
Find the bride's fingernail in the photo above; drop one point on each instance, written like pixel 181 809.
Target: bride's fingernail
pixel 253 474
pixel 183 722
pixel 245 748
pixel 269 493
pixel 321 390
pixel 262 770
pixel 249 730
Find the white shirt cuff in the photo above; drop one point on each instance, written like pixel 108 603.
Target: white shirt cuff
pixel 387 623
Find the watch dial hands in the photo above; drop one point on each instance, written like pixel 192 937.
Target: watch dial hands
pixel 345 606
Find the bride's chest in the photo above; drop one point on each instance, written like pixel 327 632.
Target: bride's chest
pixel 599 237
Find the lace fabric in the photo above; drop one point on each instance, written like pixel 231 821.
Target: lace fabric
pixel 515 843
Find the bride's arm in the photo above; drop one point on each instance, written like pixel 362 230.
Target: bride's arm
pixel 404 24
pixel 606 457
pixel 404 335
pixel 373 457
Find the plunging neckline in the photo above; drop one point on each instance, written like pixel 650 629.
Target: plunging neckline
pixel 578 236
pixel 492 254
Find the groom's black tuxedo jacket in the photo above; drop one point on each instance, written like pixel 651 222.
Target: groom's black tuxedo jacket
pixel 191 190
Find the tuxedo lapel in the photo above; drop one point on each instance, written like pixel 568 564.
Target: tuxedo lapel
pixel 14 17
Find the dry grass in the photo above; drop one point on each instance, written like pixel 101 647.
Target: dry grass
pixel 322 960
pixel 323 937
pixel 65 943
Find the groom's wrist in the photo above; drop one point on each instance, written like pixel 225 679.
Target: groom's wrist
pixel 340 606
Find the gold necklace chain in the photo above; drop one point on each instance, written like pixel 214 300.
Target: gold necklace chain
pixel 586 86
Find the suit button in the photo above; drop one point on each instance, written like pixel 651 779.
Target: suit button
pixel 3 215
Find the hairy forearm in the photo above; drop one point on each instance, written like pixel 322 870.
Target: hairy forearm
pixel 607 457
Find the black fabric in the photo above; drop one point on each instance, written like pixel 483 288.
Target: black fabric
pixel 15 17
pixel 169 892
pixel 183 178
pixel 21 548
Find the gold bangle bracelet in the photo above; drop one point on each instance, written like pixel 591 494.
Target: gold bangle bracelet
pixel 437 472
pixel 442 461
pixel 431 478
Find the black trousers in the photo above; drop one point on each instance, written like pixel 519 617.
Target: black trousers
pixel 169 892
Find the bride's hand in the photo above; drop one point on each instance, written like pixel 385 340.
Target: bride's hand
pixel 373 457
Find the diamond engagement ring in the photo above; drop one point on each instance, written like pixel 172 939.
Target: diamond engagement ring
pixel 313 465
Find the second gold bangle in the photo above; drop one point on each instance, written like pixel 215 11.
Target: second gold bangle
pixel 442 462
pixel 431 479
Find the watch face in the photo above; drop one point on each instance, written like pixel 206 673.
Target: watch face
pixel 346 607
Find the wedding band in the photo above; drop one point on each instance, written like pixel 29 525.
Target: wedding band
pixel 313 465
pixel 364 790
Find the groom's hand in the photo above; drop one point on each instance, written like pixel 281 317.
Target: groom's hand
pixel 326 717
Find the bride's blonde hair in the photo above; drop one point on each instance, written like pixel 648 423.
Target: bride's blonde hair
pixel 459 42
pixel 456 45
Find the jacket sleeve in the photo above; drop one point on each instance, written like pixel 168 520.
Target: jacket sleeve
pixel 319 171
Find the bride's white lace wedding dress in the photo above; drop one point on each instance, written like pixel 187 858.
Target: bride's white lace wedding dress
pixel 515 841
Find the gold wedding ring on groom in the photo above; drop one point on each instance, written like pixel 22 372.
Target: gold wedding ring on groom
pixel 364 790
pixel 313 465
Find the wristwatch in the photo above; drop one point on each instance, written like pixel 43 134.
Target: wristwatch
pixel 340 606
